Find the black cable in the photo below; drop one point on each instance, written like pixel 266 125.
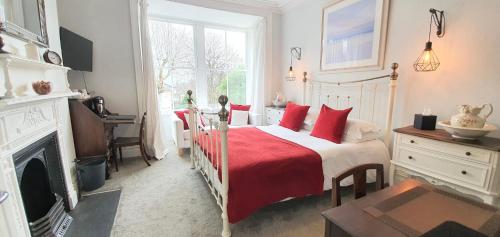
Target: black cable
pixel 84 81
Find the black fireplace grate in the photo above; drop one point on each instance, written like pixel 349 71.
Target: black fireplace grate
pixel 54 223
pixel 43 188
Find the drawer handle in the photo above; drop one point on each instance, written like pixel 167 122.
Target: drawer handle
pixel 411 141
pixel 468 153
pixel 410 157
pixel 464 172
pixel 3 196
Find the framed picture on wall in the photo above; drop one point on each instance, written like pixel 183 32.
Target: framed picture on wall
pixel 353 35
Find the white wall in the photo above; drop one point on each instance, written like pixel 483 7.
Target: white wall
pixel 469 54
pixel 107 24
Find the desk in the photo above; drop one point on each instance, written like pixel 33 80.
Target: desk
pixel 353 218
pixel 93 136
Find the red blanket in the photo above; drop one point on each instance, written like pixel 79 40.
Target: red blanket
pixel 264 169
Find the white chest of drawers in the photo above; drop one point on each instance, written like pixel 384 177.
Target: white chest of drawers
pixel 469 167
pixel 274 115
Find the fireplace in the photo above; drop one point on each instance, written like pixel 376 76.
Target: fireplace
pixel 43 188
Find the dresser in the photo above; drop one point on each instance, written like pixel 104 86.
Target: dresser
pixel 274 115
pixel 470 167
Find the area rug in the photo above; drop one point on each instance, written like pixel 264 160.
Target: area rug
pixel 94 214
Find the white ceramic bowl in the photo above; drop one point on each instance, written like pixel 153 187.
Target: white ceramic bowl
pixel 467 133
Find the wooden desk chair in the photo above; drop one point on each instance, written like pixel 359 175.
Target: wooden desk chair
pixel 359 177
pixel 121 142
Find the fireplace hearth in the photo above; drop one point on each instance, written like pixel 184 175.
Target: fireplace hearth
pixel 43 188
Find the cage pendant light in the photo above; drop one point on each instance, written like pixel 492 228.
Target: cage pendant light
pixel 428 60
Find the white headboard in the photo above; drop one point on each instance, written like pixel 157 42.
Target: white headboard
pixel 372 99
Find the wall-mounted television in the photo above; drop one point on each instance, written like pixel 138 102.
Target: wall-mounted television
pixel 76 50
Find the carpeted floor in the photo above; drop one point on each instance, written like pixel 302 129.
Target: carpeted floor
pixel 170 199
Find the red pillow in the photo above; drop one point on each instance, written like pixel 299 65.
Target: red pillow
pixel 236 107
pixel 180 114
pixel 330 124
pixel 294 116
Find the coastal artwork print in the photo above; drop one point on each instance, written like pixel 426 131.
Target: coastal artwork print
pixel 353 35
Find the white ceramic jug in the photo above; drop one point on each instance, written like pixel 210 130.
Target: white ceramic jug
pixel 469 116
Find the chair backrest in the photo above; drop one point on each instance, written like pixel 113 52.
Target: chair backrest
pixel 142 133
pixel 359 177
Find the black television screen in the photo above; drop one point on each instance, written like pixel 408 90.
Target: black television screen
pixel 76 51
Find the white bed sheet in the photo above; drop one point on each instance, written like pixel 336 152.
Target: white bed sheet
pixel 337 158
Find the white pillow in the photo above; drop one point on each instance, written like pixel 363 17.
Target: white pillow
pixel 310 119
pixel 239 118
pixel 357 131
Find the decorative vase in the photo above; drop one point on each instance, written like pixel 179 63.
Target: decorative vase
pixel 469 117
pixel 42 87
pixel 279 101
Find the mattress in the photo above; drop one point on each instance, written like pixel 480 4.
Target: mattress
pixel 337 158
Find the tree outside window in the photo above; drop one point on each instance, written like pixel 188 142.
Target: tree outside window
pixel 175 65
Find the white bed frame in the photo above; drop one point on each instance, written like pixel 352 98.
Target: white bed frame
pixel 365 96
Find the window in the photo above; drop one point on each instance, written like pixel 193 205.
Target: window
pixel 174 61
pixel 225 57
pixel 219 68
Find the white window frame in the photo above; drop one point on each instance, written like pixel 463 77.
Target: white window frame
pixel 200 67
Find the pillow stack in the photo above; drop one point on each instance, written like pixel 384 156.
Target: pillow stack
pixel 360 131
pixel 294 116
pixel 238 114
pixel 330 124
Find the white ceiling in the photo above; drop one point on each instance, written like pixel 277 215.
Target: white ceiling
pixel 169 9
pixel 278 4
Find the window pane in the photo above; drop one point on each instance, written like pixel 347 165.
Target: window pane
pixel 215 50
pixel 225 56
pixel 236 83
pixel 174 62
pixel 236 43
pixel 172 44
pixel 173 92
pixel 217 85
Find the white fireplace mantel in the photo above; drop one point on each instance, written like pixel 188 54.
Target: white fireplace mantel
pixel 19 73
pixel 25 118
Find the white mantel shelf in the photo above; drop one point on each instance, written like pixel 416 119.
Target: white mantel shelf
pixel 25 63
pixel 29 99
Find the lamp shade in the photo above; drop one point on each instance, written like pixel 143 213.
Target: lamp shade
pixel 427 61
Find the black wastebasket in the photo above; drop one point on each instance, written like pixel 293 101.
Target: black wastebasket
pixel 91 173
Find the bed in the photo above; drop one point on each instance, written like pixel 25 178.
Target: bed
pixel 249 168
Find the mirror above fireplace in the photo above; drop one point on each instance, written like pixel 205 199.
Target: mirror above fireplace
pixel 24 19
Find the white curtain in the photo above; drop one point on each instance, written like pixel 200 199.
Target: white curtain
pixel 258 62
pixel 155 129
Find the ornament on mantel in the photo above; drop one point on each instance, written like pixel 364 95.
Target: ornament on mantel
pixel 42 87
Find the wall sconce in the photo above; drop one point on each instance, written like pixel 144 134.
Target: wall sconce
pixel 428 61
pixel 295 52
pixel 304 88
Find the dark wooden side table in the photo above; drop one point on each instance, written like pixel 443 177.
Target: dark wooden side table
pixel 349 219
pixel 374 214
